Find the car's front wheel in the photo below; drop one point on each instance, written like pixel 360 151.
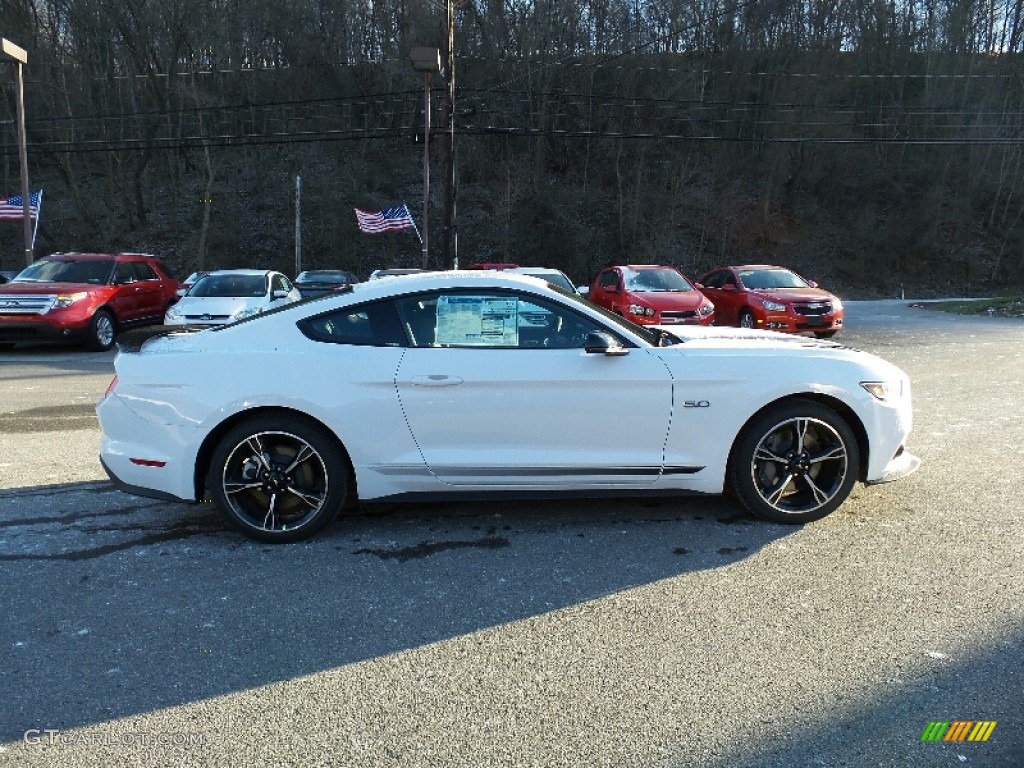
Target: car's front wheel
pixel 278 479
pixel 795 463
pixel 102 331
pixel 747 319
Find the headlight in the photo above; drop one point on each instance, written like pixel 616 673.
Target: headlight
pixel 773 306
pixel 244 313
pixel 67 299
pixel 637 309
pixel 884 390
pixel 837 305
pixel 707 309
pixel 173 314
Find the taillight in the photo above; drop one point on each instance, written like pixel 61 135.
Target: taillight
pixel 111 387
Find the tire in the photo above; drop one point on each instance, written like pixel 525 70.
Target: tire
pixel 795 463
pixel 257 484
pixel 825 334
pixel 747 319
pixel 102 331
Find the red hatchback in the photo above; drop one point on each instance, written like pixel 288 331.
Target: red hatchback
pixel 649 294
pixel 84 297
pixel 773 298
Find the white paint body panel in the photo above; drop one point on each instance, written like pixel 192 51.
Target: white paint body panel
pixel 442 419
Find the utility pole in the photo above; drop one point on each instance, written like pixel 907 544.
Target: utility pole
pixel 449 237
pixel 298 225
pixel 20 57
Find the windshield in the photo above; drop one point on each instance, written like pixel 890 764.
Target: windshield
pixel 555 278
pixel 96 272
pixel 230 285
pixel 652 337
pixel 759 279
pixel 655 280
pixel 324 277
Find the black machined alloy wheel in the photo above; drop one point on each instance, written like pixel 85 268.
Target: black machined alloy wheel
pixel 278 479
pixel 747 319
pixel 102 331
pixel 796 463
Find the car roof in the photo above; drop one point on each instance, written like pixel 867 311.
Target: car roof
pixel 638 267
pixel 100 256
pixel 442 280
pixel 243 272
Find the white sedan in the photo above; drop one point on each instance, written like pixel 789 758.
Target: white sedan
pixel 230 295
pixel 430 385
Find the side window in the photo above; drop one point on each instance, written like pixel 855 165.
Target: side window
pixel 609 279
pixel 730 279
pixel 714 280
pixel 496 320
pixel 286 284
pixel 143 271
pixel 123 272
pixel 279 284
pixel 373 324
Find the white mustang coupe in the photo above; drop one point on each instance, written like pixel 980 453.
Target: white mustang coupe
pixel 430 385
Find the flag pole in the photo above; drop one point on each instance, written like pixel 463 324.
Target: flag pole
pixel 415 228
pixel 39 213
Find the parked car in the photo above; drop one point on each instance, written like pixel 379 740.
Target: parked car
pixel 772 298
pixel 553 276
pixel 650 294
pixel 230 295
pixel 499 265
pixel 317 282
pixel 388 392
pixel 84 298
pixel 189 281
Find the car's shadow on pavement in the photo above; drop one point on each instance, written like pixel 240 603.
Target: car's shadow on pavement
pixel 116 605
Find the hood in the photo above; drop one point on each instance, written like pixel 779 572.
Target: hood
pixel 43 289
pixel 217 305
pixel 724 337
pixel 783 295
pixel 668 300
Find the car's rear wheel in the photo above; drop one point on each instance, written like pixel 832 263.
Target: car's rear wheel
pixel 278 479
pixel 102 331
pixel 795 463
pixel 747 319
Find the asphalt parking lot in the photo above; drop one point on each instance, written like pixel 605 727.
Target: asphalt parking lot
pixel 625 633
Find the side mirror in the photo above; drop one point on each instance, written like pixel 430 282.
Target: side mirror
pixel 583 290
pixel 611 289
pixel 601 343
pixel 699 286
pixel 279 295
pixel 729 288
pixel 812 284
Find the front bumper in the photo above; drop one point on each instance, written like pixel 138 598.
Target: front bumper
pixel 903 464
pixel 15 330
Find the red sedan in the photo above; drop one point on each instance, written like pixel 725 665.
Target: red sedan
pixel 649 294
pixel 773 298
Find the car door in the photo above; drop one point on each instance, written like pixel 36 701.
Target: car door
pixel 149 291
pixel 721 288
pixel 124 298
pixel 607 291
pixel 493 400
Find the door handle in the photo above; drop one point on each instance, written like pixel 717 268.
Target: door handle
pixel 435 380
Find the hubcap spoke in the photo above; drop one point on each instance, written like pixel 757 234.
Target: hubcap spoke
pixel 780 489
pixel 765 454
pixel 305 452
pixel 270 511
pixel 239 487
pixel 835 453
pixel 313 499
pixel 819 495
pixel 257 448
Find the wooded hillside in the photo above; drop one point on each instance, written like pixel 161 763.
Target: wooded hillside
pixel 868 144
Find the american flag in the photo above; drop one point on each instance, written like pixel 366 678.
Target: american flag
pixel 11 208
pixel 389 218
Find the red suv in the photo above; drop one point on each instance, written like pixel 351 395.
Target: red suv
pixel 84 297
pixel 649 294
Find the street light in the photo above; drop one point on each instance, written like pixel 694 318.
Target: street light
pixel 427 61
pixel 20 57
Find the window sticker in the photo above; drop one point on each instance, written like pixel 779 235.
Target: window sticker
pixel 490 321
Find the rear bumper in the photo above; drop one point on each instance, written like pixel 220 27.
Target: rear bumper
pixel 137 490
